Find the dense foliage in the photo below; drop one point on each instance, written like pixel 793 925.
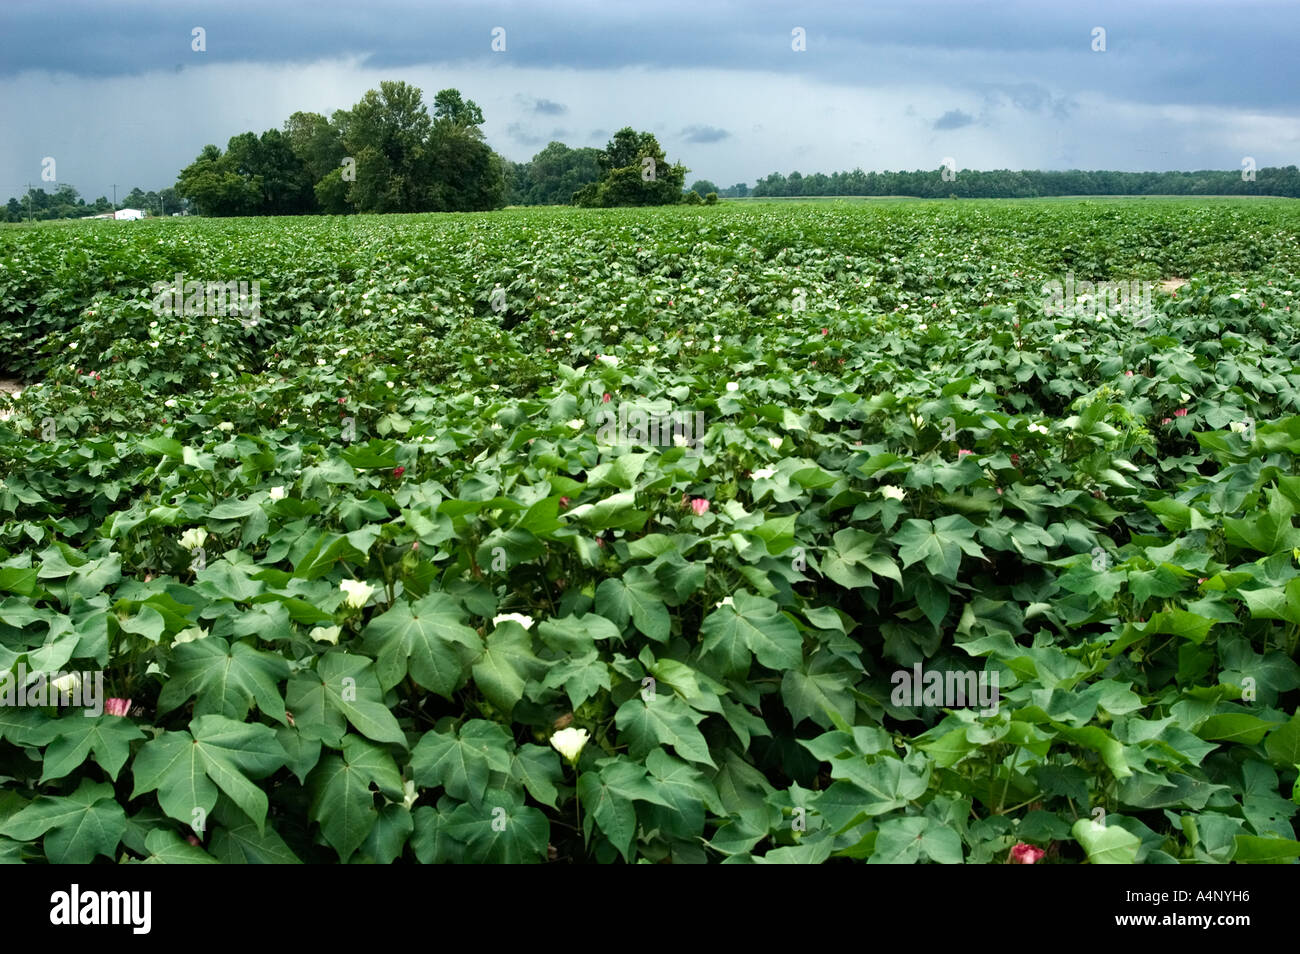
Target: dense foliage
pixel 364 567
pixel 385 154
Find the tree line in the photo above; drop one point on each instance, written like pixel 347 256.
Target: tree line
pixel 1009 184
pixel 389 154
pixel 66 202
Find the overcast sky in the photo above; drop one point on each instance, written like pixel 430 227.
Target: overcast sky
pixel 114 92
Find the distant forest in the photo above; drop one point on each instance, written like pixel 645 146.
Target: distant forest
pixel 1006 184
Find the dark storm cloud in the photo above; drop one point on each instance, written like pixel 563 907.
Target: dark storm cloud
pixel 1196 52
pixel 954 119
pixel 703 134
pixel 544 107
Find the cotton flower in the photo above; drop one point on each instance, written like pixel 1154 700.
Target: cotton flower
pixel 525 621
pixel 1037 429
pixel 1237 427
pixel 326 634
pixel 568 335
pixel 355 593
pixel 717 338
pixel 577 424
pixel 193 538
pixel 700 506
pixel 775 442
pixel 277 493
pixel 1023 854
pixel 609 359
pixel 67 683
pixel 680 440
pixel 570 743
pixel 763 473
pixel 226 426
pixel 117 707
pixel 893 493
pixel 733 386
pixel 1181 412
pixel 170 402
pixel 727 602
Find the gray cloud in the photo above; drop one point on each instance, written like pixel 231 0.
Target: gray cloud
pixel 954 119
pixel 703 134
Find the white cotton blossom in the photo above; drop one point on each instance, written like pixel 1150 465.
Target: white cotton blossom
pixel 277 493
pixel 733 386
pixel 356 593
pixel 570 743
pixel 776 442
pixel 890 492
pixel 193 538
pixel 525 621
pixel 764 473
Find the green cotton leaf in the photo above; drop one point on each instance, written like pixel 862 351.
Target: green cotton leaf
pixel 576 635
pixel 342 687
pixel 581 676
pixel 940 544
pixel 18 580
pixel 751 624
pixel 108 737
pixel 607 796
pixel 391 831
pixel 537 768
pixel 1275 602
pixel 187 767
pixel 1100 741
pixel 616 512
pixel 1268 532
pixel 462 763
pixel 1254 850
pixel 1282 744
pixel 664 720
pixel 243 844
pixel 814 689
pixel 76 827
pixel 342 801
pixel 909 840
pixel 1106 845
pixel 502 830
pixel 343 804
pixel 687 789
pixel 890 782
pixel 813 850
pixel 422 636
pixel 225 679
pixel 849 563
pixel 636 596
pixel 505 667
pixel 166 847
pixel 1235 727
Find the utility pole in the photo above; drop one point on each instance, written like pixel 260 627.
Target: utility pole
pixel 29 202
pixel 114 196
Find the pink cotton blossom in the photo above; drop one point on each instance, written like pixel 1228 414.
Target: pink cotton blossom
pixel 117 707
pixel 1023 854
pixel 700 506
